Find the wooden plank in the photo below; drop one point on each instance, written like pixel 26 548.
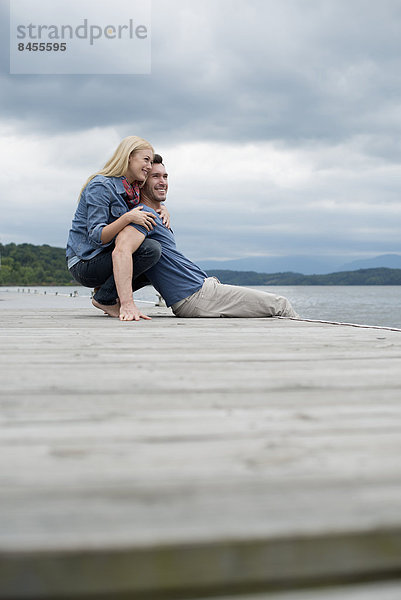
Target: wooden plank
pixel 213 453
pixel 367 591
pixel 163 571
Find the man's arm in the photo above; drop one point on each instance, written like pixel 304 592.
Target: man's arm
pixel 127 241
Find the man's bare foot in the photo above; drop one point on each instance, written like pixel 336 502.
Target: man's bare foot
pixel 130 312
pixel 113 310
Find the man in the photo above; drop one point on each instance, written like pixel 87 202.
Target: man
pixel 184 286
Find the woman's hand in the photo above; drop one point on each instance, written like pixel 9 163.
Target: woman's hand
pixel 165 215
pixel 140 217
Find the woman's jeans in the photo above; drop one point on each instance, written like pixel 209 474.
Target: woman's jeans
pixel 98 271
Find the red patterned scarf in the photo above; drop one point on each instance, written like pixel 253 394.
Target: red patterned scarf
pixel 132 192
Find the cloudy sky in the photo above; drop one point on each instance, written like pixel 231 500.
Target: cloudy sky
pixel 279 122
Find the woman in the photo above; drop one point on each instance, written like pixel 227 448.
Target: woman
pixel 109 202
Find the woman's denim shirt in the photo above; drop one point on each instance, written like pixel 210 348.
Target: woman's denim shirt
pixel 102 202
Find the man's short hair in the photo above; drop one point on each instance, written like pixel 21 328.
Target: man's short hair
pixel 158 160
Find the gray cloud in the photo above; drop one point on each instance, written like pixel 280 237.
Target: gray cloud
pixel 238 71
pixel 317 77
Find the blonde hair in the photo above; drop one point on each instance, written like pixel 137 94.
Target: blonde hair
pixel 117 165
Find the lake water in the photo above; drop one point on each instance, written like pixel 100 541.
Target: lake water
pixel 366 305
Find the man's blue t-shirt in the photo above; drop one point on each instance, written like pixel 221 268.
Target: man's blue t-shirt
pixel 174 276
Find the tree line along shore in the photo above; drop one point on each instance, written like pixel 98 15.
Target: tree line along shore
pixel 27 264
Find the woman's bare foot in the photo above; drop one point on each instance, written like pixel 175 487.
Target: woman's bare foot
pixel 130 312
pixel 113 310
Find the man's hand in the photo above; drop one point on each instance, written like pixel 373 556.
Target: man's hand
pixel 140 217
pixel 165 215
pixel 130 312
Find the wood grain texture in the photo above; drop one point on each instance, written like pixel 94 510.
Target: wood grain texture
pixel 195 455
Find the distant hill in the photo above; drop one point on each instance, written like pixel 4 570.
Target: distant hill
pixel 275 264
pixel 381 276
pixel 306 264
pixel 26 264
pixel 391 261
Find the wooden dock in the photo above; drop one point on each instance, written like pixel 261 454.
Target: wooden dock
pixel 198 458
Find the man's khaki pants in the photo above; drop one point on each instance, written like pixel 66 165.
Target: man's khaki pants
pixel 216 299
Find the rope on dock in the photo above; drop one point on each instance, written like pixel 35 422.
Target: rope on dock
pixel 381 327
